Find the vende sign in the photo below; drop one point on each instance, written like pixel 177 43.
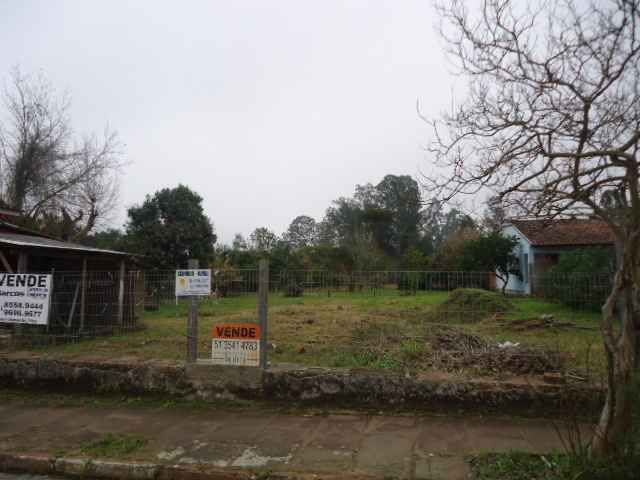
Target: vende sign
pixel 236 344
pixel 193 282
pixel 25 298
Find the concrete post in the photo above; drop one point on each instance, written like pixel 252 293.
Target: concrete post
pixel 263 297
pixel 192 325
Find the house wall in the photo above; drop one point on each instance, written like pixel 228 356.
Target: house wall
pixel 525 253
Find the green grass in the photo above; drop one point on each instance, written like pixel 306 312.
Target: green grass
pixel 113 446
pixel 555 466
pixel 349 330
pixel 515 466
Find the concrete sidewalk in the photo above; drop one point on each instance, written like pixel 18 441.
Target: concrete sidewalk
pixel 413 447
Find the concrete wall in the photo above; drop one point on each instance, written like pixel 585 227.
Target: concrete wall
pixel 326 386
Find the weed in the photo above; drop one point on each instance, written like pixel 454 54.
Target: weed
pixel 412 350
pixel 113 446
pixel 328 331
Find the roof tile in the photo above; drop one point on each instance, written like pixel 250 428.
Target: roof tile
pixel 564 232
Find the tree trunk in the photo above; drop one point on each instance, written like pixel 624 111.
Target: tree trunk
pixel 621 348
pixel 615 419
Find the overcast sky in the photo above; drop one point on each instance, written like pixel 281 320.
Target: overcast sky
pixel 268 109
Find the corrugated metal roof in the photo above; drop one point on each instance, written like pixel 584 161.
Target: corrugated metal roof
pixel 32 241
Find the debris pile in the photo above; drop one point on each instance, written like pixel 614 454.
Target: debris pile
pixel 455 350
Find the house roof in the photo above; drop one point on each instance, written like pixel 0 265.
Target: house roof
pixel 32 241
pixel 565 232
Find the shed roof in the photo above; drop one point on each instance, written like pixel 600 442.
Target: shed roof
pixel 33 241
pixel 565 232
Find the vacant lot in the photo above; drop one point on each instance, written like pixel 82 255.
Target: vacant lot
pixel 421 332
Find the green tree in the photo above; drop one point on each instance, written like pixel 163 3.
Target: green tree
pixel 490 252
pixel 302 232
pixel 400 196
pixel 263 240
pixel 169 228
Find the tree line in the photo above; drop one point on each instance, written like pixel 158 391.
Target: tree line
pixel 387 226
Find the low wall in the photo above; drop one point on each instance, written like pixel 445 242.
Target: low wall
pixel 290 383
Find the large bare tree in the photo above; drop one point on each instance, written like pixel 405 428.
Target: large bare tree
pixel 59 182
pixel 551 121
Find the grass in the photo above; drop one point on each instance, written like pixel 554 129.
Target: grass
pixel 516 466
pixel 351 330
pixel 555 466
pixel 113 446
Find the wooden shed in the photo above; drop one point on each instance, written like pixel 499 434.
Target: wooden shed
pixel 94 291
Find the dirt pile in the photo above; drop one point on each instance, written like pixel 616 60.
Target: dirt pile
pixel 471 305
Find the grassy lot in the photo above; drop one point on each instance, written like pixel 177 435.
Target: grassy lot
pixel 389 331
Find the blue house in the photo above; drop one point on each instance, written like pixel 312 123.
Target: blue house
pixel 541 242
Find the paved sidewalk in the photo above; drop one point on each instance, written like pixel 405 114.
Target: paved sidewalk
pixel 413 447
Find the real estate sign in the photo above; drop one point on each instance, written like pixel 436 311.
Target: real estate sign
pixel 193 283
pixel 25 298
pixel 236 344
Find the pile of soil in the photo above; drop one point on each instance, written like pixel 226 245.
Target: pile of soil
pixel 454 350
pixel 472 304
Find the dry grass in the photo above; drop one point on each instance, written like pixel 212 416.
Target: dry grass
pixel 389 332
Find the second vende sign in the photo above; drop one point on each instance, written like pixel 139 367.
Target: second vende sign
pixel 25 298
pixel 236 344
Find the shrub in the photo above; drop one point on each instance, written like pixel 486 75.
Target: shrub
pixel 293 289
pixel 581 279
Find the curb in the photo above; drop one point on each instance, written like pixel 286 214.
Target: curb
pixel 37 464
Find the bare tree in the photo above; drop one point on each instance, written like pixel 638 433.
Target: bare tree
pixel 552 122
pixel 58 182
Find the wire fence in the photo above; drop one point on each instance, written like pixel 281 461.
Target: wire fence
pixel 580 290
pixel 160 284
pixel 83 306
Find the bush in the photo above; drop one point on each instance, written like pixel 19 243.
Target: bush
pixel 581 279
pixel 293 289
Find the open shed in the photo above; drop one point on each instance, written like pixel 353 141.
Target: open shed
pixel 94 291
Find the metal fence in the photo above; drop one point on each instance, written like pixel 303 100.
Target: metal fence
pixel 96 303
pixel 160 284
pixel 581 290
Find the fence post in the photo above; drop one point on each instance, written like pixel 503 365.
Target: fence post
pixel 192 326
pixel 83 293
pixel 121 294
pixel 263 297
